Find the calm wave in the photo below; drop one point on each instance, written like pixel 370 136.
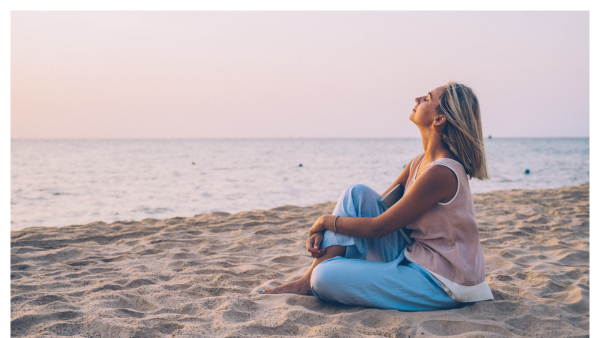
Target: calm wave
pixel 63 182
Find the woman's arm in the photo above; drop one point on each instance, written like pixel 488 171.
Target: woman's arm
pixel 435 184
pixel 402 179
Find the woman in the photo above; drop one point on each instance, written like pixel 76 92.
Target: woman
pixel 361 257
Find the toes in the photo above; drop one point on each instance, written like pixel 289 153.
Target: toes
pixel 267 291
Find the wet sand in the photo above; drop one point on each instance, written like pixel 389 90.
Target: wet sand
pixel 199 276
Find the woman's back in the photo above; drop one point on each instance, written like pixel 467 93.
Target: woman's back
pixel 446 237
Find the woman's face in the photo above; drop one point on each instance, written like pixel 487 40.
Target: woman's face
pixel 425 112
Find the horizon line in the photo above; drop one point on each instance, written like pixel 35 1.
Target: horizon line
pixel 282 138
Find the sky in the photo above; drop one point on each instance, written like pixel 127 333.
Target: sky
pixel 282 74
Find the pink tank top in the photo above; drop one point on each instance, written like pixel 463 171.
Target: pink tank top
pixel 446 238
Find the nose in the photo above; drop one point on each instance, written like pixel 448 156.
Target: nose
pixel 417 100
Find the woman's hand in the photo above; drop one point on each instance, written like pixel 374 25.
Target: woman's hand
pixel 313 243
pixel 317 226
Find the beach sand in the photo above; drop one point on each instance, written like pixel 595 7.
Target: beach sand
pixel 199 276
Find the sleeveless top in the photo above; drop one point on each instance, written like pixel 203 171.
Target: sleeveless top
pixel 446 239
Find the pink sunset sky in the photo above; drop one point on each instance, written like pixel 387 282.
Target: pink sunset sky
pixel 292 74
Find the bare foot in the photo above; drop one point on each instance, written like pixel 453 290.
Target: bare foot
pixel 301 287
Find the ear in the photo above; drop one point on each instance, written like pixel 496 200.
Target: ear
pixel 439 122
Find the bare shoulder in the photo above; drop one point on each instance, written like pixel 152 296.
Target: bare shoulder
pixel 405 173
pixel 440 181
pixel 407 166
pixel 440 175
pixel 410 165
pixel 442 172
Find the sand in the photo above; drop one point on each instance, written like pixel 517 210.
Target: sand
pixel 199 276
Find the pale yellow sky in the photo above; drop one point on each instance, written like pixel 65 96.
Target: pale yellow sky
pixel 292 74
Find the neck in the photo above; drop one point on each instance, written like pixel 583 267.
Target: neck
pixel 433 146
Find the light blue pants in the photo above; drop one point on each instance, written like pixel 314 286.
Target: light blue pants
pixel 374 272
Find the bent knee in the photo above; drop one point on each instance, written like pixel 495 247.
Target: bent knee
pixel 357 190
pixel 361 192
pixel 358 200
pixel 356 187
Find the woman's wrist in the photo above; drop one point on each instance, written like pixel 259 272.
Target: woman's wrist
pixel 321 223
pixel 318 226
pixel 327 222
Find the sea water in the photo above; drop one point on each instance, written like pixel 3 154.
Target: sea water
pixel 64 182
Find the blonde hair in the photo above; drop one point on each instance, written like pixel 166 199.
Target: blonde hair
pixel 463 133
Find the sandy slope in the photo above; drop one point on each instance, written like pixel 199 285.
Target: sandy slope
pixel 198 276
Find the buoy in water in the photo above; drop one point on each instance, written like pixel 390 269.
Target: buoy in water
pixel 300 164
pixel 527 171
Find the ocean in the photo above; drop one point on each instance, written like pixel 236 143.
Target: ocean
pixel 64 182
